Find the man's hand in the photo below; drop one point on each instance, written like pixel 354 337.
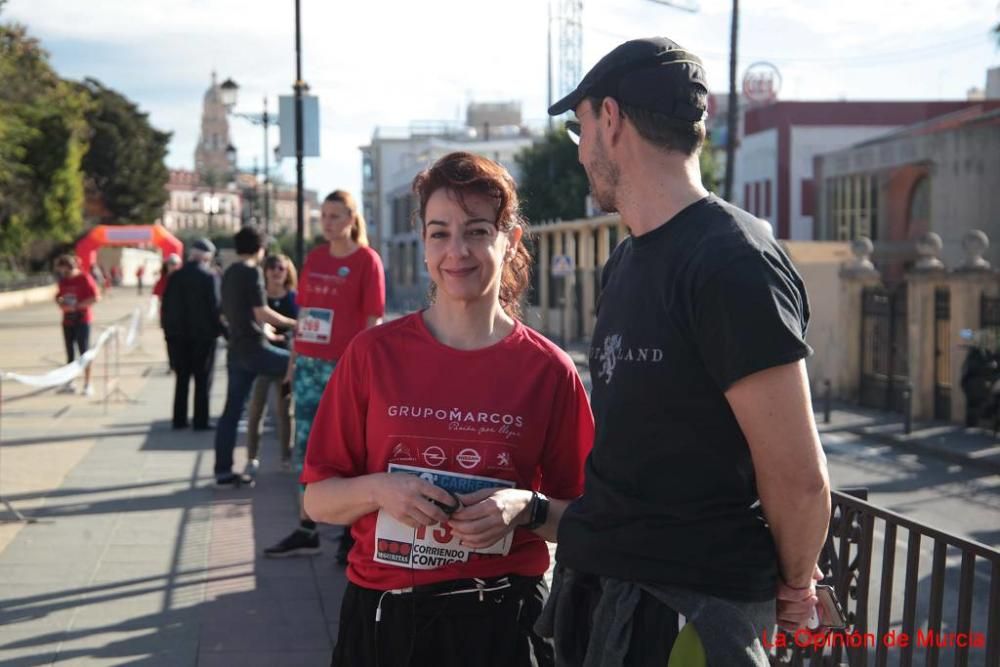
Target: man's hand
pixel 796 605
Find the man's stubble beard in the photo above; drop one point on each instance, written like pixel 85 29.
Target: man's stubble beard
pixel 606 172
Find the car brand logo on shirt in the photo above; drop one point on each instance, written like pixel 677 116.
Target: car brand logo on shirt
pixel 469 458
pixel 434 456
pixel 401 453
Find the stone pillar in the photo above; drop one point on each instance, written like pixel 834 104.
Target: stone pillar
pixel 543 277
pixel 569 288
pixel 603 245
pixel 586 274
pixel 926 276
pixel 855 276
pixel 968 283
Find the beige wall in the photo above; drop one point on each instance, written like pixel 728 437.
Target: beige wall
pixel 23 297
pixel 819 262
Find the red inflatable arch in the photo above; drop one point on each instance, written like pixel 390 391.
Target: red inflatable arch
pixel 130 235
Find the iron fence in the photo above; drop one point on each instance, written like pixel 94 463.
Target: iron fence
pixel 941 603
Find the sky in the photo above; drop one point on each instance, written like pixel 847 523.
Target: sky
pixel 392 62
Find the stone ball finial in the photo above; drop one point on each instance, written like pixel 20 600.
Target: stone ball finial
pixel 974 243
pixel 929 248
pixel 862 249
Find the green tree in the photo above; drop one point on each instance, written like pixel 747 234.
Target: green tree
pixel 709 167
pixel 42 140
pixel 553 184
pixel 125 166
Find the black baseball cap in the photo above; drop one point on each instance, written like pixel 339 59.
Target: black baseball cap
pixel 653 73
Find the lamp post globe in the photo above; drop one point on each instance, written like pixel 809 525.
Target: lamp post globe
pixel 228 92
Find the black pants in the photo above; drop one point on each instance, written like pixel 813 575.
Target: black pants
pixel 192 357
pixel 77 335
pixel 444 631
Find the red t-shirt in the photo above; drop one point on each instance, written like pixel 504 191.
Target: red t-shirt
pixel 515 412
pixel 336 297
pixel 161 284
pixel 77 289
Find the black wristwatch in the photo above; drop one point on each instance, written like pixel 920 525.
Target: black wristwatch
pixel 538 510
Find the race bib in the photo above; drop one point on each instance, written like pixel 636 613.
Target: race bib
pixel 431 547
pixel 315 325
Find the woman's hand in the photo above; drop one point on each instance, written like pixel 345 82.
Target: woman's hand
pixel 489 514
pixel 405 498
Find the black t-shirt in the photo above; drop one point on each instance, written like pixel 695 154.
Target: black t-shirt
pixel 670 496
pixel 242 291
pixel 286 306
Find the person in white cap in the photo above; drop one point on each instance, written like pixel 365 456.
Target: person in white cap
pixel 191 325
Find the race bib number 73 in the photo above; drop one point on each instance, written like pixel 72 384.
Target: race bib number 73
pixel 430 547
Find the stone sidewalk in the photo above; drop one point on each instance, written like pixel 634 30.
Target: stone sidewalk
pixel 135 557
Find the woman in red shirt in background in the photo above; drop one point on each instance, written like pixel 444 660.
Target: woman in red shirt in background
pixel 437 437
pixel 76 293
pixel 172 263
pixel 341 292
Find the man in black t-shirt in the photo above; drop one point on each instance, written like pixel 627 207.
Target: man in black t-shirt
pixel 244 305
pixel 706 495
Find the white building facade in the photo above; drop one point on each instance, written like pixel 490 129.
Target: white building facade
pixel 773 177
pixel 392 160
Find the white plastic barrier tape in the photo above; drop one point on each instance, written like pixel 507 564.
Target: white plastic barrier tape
pixel 132 335
pixel 63 374
pixel 154 308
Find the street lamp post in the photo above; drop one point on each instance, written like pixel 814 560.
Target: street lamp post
pixel 732 115
pixel 229 90
pixel 210 205
pixel 299 87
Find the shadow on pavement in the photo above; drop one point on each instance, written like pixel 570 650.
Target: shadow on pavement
pixel 141 558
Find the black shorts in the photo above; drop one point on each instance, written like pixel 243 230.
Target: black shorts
pixel 429 627
pixel 76 334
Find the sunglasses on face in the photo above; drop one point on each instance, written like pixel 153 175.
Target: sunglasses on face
pixel 276 267
pixel 573 130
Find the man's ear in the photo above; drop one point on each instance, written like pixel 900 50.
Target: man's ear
pixel 612 119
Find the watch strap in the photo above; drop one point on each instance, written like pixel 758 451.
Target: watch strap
pixel 539 510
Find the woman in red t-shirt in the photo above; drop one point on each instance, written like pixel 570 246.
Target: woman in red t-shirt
pixel 76 293
pixel 341 292
pixel 437 437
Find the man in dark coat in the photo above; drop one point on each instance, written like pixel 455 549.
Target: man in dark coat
pixel 191 325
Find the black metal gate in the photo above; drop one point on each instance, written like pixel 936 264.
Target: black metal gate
pixel 884 358
pixel 942 354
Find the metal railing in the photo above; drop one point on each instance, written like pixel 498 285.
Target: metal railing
pixel 866 580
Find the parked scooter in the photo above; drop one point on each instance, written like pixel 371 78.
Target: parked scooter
pixel 981 380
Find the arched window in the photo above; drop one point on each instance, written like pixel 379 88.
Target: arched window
pixel 919 212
